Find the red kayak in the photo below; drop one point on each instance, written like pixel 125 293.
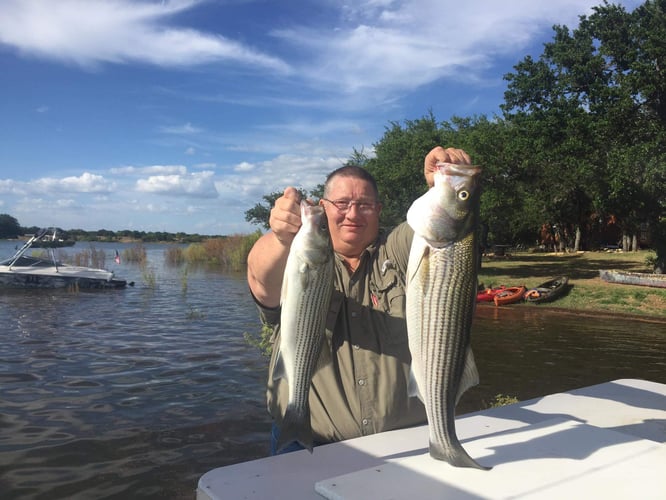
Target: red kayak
pixel 488 294
pixel 510 295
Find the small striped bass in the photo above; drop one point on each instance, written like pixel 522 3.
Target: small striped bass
pixel 306 293
pixel 441 297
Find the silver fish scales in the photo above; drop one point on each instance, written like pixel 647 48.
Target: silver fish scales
pixel 441 297
pixel 306 293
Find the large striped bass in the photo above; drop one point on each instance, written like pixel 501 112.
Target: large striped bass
pixel 441 297
pixel 306 293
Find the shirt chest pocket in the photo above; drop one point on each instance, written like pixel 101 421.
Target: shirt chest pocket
pixel 388 300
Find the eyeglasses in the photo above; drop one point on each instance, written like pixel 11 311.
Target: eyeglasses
pixel 343 206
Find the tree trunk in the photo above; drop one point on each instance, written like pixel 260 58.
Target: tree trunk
pixel 659 234
pixel 577 240
pixel 625 242
pixel 634 243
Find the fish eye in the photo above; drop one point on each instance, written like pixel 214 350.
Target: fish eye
pixel 463 195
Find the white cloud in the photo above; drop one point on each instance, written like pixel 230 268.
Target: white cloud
pixel 205 166
pixel 199 184
pixel 244 166
pixel 148 170
pixel 90 32
pixel 185 129
pixel 164 169
pixel 391 46
pixel 9 186
pixel 250 181
pixel 311 127
pixel 66 203
pixel 84 183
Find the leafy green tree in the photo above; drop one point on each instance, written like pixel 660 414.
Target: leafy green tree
pixel 591 110
pixel 491 143
pixel 398 165
pixel 9 227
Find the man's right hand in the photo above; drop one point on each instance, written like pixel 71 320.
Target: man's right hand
pixel 268 257
pixel 285 219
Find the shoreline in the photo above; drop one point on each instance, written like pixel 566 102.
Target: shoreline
pixel 575 312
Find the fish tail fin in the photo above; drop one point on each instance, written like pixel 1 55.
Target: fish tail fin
pixel 454 455
pixel 296 427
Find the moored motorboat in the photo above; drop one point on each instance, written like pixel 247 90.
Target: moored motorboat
pixel 25 271
pixel 630 278
pixel 510 295
pixel 52 241
pixel 547 291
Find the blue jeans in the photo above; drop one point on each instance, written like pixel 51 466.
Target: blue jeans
pixel 293 446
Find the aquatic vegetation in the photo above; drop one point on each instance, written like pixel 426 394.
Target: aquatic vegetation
pixel 261 340
pixel 148 275
pixel 195 254
pixel 173 256
pixel 183 282
pixel 88 257
pixel 228 252
pixel 135 254
pixel 503 400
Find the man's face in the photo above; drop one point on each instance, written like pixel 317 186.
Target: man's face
pixel 352 231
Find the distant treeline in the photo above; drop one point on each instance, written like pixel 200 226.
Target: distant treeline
pixel 11 228
pixel 104 235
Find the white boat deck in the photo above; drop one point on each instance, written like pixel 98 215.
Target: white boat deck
pixel 604 441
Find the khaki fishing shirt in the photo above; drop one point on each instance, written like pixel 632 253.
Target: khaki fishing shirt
pixel 360 386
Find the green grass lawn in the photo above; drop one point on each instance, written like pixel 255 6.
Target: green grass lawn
pixel 589 292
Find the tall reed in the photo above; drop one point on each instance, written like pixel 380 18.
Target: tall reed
pixel 228 252
pixel 135 254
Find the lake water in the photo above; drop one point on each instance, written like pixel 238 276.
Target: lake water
pixel 138 392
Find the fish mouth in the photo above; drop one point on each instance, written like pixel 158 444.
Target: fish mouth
pixel 458 169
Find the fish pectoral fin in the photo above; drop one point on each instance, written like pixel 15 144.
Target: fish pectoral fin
pixel 413 387
pixel 284 289
pixel 419 259
pixel 279 370
pixel 470 375
pixel 304 276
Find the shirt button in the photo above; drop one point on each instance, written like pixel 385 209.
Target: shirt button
pixel 356 346
pixel 365 421
pixel 353 314
pixel 361 381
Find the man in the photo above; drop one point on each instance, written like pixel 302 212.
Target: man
pixel 361 385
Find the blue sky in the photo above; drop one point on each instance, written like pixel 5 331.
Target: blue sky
pixel 179 115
